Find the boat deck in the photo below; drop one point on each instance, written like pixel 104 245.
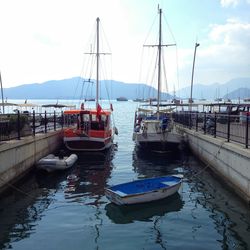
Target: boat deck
pixel 142 186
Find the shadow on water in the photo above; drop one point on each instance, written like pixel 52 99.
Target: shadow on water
pixel 90 177
pixel 150 164
pixel 143 212
pixel 22 206
pixel 229 214
pixel 209 212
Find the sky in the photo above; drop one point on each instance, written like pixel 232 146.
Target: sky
pixel 42 40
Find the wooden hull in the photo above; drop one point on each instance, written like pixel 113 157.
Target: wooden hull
pixel 88 143
pixel 120 198
pixel 168 141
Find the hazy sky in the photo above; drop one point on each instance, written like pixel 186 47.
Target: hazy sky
pixel 44 40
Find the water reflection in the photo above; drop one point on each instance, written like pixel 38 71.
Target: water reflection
pixel 143 212
pixel 148 164
pixel 20 208
pixel 87 182
pixel 40 192
pixel 230 216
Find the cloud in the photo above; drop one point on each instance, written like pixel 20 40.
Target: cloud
pixel 227 54
pixel 228 3
pixel 233 3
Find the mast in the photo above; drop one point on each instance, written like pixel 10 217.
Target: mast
pixel 2 91
pixel 159 66
pixel 97 62
pixel 159 46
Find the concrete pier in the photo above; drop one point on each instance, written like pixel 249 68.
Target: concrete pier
pixel 230 161
pixel 18 156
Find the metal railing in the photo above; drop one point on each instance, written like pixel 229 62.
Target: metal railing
pixel 15 126
pixel 234 128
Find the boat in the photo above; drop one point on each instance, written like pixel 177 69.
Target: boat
pixel 144 190
pixel 90 129
pixel 154 128
pixel 122 99
pixel 51 162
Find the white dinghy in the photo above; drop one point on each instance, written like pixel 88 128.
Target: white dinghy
pixel 51 162
pixel 145 190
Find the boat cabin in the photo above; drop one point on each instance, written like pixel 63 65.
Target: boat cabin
pixel 87 119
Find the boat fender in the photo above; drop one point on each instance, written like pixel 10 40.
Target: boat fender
pixel 115 130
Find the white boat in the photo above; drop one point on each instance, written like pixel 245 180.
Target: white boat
pixel 153 125
pixel 145 190
pixel 51 162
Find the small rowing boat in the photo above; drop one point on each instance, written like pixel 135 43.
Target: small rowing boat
pixel 145 190
pixel 51 162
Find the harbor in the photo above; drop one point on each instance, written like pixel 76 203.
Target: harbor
pixel 52 206
pixel 90 162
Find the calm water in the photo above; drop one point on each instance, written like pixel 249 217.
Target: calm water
pixel 54 213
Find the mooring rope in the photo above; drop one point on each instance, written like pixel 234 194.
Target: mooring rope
pixel 208 164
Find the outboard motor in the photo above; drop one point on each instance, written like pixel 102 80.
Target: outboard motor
pixel 61 154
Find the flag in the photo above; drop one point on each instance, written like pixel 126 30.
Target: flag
pixel 111 106
pixel 99 109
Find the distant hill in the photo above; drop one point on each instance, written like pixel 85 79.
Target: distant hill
pixel 78 88
pixel 216 90
pixel 241 92
pixel 73 87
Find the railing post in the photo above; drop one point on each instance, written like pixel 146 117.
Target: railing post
pixel 62 118
pixel 228 126
pixel 34 123
pixel 54 120
pixel 205 123
pixel 215 124
pixel 190 120
pixel 247 123
pixel 196 122
pixel 45 121
pixel 18 125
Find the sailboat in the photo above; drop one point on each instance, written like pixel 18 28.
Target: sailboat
pixel 154 129
pixel 90 129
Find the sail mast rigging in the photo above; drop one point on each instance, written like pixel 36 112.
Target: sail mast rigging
pixel 159 47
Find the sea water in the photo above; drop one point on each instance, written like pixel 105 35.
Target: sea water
pixel 68 209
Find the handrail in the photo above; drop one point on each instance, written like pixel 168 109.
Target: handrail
pixel 234 128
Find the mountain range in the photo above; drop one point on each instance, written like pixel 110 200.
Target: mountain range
pixel 78 88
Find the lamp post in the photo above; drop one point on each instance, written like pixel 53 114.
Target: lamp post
pixel 2 91
pixel 192 79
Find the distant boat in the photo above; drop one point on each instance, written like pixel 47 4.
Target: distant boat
pixel 89 99
pixel 122 99
pixel 218 100
pixel 90 129
pixel 52 163
pixel 139 100
pixel 145 190
pixel 154 128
